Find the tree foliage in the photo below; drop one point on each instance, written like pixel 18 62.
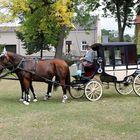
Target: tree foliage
pixel 45 22
pixel 84 13
pixel 41 21
pixel 123 11
pixel 112 37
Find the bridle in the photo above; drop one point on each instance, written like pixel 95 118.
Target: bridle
pixel 9 66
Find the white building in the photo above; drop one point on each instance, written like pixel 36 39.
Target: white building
pixel 74 43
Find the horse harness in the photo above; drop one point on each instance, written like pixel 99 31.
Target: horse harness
pixel 20 66
pixel 11 67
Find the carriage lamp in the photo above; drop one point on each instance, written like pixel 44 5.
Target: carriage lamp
pixel 100 70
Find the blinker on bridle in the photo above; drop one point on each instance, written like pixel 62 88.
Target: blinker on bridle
pixel 4 53
pixel 2 56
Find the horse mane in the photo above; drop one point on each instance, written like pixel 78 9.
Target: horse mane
pixel 16 58
pixel 11 54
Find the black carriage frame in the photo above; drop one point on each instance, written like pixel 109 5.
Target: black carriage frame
pixel 112 68
pixel 129 52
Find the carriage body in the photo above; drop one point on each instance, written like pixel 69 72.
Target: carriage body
pixel 119 66
pixel 119 60
pixel 116 63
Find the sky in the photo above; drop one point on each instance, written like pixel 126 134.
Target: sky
pixel 111 24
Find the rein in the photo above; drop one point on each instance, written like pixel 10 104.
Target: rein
pixel 7 68
pixel 8 71
pixel 45 79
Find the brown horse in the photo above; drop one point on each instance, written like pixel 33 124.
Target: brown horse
pixel 10 69
pixel 40 70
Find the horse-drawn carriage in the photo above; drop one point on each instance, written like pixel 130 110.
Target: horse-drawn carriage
pixel 116 63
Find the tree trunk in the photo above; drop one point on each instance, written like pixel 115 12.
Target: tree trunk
pixel 41 53
pixel 121 25
pixel 41 44
pixel 121 33
pixel 59 48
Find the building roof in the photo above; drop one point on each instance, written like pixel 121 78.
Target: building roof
pixel 7 29
pixel 112 44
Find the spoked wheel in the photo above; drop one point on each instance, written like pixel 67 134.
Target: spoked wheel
pixel 126 87
pixel 77 90
pixel 136 85
pixel 93 91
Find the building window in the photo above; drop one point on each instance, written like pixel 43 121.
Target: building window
pixel 108 56
pixel 132 58
pixel 68 46
pixel 83 45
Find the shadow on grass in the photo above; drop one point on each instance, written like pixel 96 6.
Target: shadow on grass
pixel 117 95
pixel 58 99
pixel 10 100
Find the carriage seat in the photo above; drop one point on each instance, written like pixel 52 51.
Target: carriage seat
pixel 81 79
pixel 89 70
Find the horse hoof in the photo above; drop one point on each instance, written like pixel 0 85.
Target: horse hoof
pixel 46 98
pixel 63 101
pixel 21 100
pixel 25 102
pixel 35 100
pixel 29 98
pixel 65 97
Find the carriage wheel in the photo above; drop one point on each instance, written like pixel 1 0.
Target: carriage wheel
pixel 93 91
pixel 77 91
pixel 124 88
pixel 136 85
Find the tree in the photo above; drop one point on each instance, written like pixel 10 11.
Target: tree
pixel 122 10
pixel 112 36
pixel 82 10
pixel 45 22
pixel 84 13
pixel 41 21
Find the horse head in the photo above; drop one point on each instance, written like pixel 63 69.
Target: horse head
pixel 5 62
pixel 4 57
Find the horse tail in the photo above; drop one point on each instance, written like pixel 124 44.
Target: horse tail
pixel 68 81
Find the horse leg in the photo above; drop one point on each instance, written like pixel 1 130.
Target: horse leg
pixel 48 94
pixel 22 95
pixel 65 97
pixel 32 90
pixel 26 98
pixel 26 86
pixel 22 91
pixel 22 88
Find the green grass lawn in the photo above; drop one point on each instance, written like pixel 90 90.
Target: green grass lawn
pixel 113 117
